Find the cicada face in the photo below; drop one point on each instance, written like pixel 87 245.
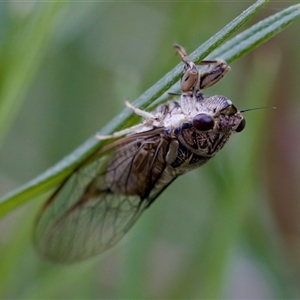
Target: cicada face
pixel 93 209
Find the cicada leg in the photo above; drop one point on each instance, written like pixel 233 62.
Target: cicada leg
pixel 192 79
pixel 216 73
pixel 149 118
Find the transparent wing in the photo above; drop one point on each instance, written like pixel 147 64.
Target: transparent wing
pixel 93 209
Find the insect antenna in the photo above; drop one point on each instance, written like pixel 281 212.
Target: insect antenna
pixel 256 108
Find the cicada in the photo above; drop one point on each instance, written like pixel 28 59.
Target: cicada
pixel 101 200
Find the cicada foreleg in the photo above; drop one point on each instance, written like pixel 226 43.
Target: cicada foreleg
pixel 190 78
pixel 216 73
pixel 193 80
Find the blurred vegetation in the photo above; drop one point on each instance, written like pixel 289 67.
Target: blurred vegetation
pixel 227 230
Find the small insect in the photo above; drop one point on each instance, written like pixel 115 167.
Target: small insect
pixel 94 208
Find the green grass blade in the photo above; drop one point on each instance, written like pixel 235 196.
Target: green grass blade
pixel 250 38
pixel 257 34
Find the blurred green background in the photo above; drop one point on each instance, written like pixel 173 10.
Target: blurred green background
pixel 230 229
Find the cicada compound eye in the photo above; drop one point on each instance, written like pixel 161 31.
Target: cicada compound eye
pixel 203 122
pixel 241 126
